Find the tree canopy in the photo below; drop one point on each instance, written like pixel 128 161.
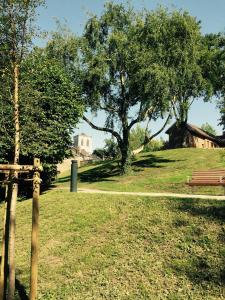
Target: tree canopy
pixel 122 75
pixel 141 66
pixel 50 108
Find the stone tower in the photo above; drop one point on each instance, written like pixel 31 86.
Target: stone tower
pixel 83 142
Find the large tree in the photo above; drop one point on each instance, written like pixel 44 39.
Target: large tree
pixel 214 68
pixel 123 75
pixel 180 48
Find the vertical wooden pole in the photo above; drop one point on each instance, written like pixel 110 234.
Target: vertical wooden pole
pixel 2 270
pixel 35 231
pixel 12 226
pixel 7 231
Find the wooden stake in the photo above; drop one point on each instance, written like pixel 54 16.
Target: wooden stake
pixel 2 270
pixel 12 229
pixel 35 231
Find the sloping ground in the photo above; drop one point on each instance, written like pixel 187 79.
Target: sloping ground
pixel 162 171
pixel 122 247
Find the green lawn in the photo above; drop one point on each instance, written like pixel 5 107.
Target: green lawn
pixel 119 247
pixel 162 171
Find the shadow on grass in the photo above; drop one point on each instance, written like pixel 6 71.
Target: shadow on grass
pixel 63 179
pixel 152 161
pixel 21 290
pixel 214 211
pixel 104 171
pixel 108 169
pixel 100 173
pixel 202 268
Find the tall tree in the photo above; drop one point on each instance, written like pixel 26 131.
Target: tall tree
pixel 179 48
pixel 16 32
pixel 122 74
pixel 214 68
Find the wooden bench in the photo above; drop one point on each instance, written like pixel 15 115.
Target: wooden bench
pixel 214 177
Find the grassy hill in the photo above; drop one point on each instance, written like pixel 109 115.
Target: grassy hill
pixel 118 247
pixel 162 171
pixel 127 247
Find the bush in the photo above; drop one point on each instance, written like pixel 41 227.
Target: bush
pixel 155 145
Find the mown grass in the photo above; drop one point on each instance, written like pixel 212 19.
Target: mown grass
pixel 120 247
pixel 162 171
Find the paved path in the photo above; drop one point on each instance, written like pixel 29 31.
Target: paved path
pixel 92 191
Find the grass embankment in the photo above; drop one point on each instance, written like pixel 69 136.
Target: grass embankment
pixel 162 171
pixel 119 247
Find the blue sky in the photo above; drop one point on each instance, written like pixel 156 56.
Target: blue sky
pixel 75 14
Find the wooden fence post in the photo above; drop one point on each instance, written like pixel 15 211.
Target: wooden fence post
pixel 35 230
pixel 2 270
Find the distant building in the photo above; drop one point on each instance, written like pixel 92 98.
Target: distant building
pixel 83 143
pixel 193 137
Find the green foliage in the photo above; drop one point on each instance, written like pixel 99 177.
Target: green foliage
pixel 139 65
pixel 155 145
pixel 16 33
pixel 122 74
pixel 177 39
pixel 50 108
pixel 137 137
pixel 99 152
pixel 208 128
pixel 214 68
pixel 110 150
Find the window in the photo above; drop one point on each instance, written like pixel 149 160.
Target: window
pixel 82 142
pixel 87 144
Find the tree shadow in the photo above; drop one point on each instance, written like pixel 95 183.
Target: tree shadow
pixel 104 171
pixel 211 209
pixel 21 293
pixel 152 161
pixel 63 179
pixel 201 268
pixel 100 173
pixel 21 290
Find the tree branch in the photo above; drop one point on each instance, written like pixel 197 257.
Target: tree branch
pixel 105 129
pixel 158 132
pixel 141 117
pixel 148 139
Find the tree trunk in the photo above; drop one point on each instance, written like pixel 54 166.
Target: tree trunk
pixel 182 131
pixel 12 228
pixel 125 152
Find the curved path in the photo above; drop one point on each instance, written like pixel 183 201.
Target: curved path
pixel 190 196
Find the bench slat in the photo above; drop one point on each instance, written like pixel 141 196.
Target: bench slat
pixel 214 177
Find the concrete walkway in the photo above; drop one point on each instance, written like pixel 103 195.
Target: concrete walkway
pixel 209 197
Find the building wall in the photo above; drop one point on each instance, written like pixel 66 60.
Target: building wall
pixel 197 142
pixel 191 141
pixel 83 142
pixel 204 143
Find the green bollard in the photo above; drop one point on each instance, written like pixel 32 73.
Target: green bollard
pixel 73 179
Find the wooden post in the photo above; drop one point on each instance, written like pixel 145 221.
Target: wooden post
pixel 35 231
pixel 2 270
pixel 12 228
